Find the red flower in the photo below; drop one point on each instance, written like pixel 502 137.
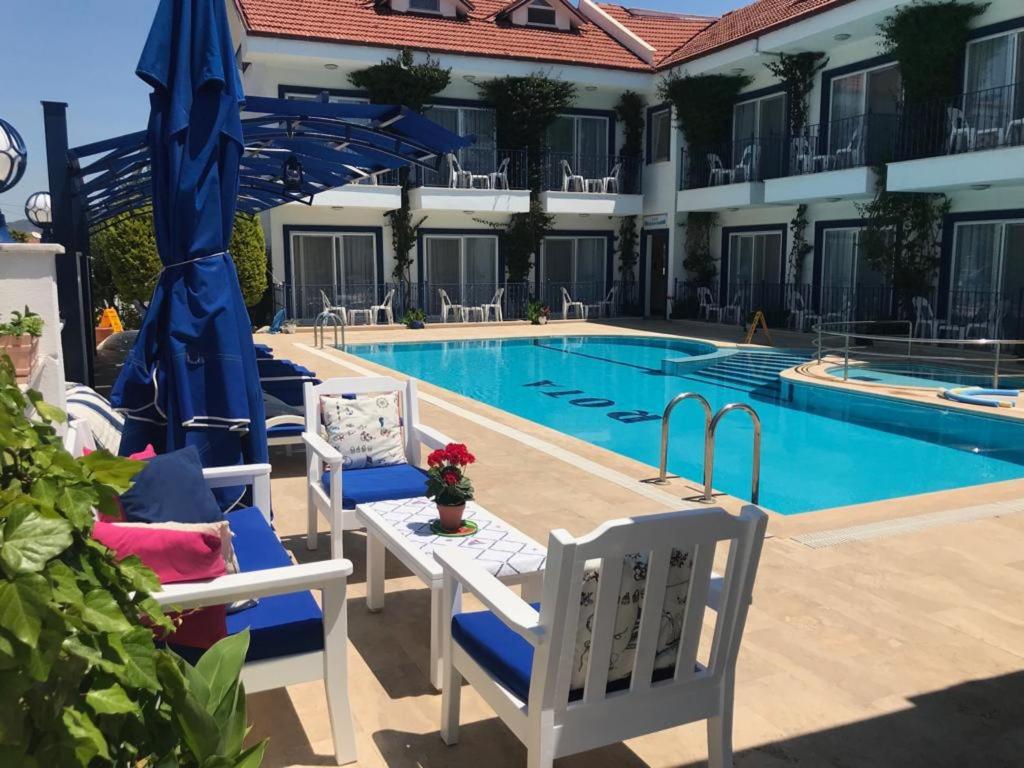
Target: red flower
pixel 451 477
pixel 458 454
pixel 435 458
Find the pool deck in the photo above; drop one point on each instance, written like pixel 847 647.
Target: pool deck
pixel 905 649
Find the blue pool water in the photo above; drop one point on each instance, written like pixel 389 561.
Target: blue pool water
pixel 922 375
pixel 820 447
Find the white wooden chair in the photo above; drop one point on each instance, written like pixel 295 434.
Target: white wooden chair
pixel 494 307
pixel 580 680
pixel 327 660
pixel 717 173
pixel 448 308
pixel 333 492
pixel 385 307
pixel 571 182
pixel 707 305
pixel 568 305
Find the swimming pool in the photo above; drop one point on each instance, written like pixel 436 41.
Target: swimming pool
pixel 937 376
pixel 820 447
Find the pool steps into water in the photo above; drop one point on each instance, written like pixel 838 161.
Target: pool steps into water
pixel 751 371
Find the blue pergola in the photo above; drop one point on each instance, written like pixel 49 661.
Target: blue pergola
pixel 293 151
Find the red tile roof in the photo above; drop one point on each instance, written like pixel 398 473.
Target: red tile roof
pixel 359 22
pixel 665 32
pixel 747 22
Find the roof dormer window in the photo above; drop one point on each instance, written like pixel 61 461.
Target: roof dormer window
pixel 425 6
pixel 540 14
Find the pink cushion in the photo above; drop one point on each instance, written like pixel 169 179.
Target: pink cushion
pixel 147 453
pixel 174 556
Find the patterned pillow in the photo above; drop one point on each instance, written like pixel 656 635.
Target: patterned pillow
pixel 627 617
pixel 95 410
pixel 366 431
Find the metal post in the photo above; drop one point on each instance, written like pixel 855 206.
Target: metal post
pixel 709 452
pixel 819 341
pixel 663 465
pixel 846 357
pixel 995 372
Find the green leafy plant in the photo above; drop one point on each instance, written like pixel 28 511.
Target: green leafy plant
pixel 83 683
pixel 413 316
pixel 800 248
pixel 627 244
pixel 249 252
pixel 698 260
pixel 447 483
pixel 703 104
pixel 536 310
pixel 797 71
pixel 521 239
pixel 26 323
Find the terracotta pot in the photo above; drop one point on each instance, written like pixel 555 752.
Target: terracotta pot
pixel 451 515
pixel 22 351
pixel 103 333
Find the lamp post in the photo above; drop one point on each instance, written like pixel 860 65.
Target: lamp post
pixel 39 210
pixel 13 157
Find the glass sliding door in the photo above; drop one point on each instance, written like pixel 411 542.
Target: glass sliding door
pixel 579 264
pixel 862 115
pixel 342 265
pixel 359 269
pixel 994 85
pixel 464 266
pixel 480 270
pixel 759 126
pixel 987 278
pixel 479 122
pixel 755 269
pixel 582 142
pixel 850 288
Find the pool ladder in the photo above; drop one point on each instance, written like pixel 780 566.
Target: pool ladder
pixel 710 427
pixel 320 329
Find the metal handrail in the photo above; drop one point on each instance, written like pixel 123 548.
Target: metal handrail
pixel 709 451
pixel 319 328
pixel 663 465
pixel 842 330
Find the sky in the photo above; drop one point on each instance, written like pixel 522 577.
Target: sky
pixel 84 52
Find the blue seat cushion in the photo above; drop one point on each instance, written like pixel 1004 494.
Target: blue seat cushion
pixel 508 658
pixel 286 430
pixel 361 486
pixel 281 625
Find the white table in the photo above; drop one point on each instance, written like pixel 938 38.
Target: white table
pixel 403 528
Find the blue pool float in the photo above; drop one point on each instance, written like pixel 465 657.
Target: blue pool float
pixel 981 396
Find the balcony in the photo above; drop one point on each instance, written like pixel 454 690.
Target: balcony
pixel 727 175
pixel 476 180
pixel 973 139
pixel 380 192
pixel 591 184
pixel 832 160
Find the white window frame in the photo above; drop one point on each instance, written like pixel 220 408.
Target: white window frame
pixel 1000 250
pixel 575 255
pixel 576 132
pixel 733 252
pixel 435 11
pixel 543 5
pixel 654 116
pixel 338 262
pixel 461 237
pixel 864 91
pixel 1017 36
pixel 757 115
pixel 461 110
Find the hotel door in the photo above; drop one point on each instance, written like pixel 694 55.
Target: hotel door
pixel 657 247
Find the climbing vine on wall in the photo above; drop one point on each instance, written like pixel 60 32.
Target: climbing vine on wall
pixel 401 80
pixel 797 71
pixel 800 248
pixel 698 261
pixel 703 104
pixel 630 111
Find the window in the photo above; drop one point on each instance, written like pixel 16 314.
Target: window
pixel 848 282
pixel 987 274
pixel 660 136
pixel 862 114
pixel 464 266
pixel 540 14
pixel 576 263
pixel 469 121
pixel 342 265
pixel 425 6
pixel 755 257
pixel 580 140
pixel 757 129
pixel 995 88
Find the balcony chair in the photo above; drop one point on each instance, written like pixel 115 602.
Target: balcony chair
pixel 385 307
pixel 717 173
pixel 604 307
pixel 962 136
pixel 747 168
pixel 924 318
pixel 803 157
pixel 328 308
pixel 571 182
pixel 987 322
pixel 592 664
pixel 610 183
pixel 850 155
pixel 334 491
pixel 494 307
pixel 707 305
pixel 1013 136
pixel 799 315
pixel 568 304
pixel 448 308
pixel 499 179
pixel 459 178
pixel 734 308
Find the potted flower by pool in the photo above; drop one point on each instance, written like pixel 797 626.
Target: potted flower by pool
pixel 537 312
pixel 19 338
pixel 414 318
pixel 448 485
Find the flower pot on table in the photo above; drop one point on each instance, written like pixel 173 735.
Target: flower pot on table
pixel 450 515
pixel 22 351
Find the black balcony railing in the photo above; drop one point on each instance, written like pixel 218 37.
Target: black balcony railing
pixel 576 172
pixel 969 122
pixel 732 162
pixel 958 313
pixel 850 142
pixel 478 168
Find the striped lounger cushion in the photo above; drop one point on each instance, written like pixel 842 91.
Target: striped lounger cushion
pixel 95 410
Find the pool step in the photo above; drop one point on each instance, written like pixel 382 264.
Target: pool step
pixel 750 371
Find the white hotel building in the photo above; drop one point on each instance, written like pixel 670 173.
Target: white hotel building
pixel 304 48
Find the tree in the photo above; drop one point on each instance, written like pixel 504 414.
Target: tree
pixel 249 251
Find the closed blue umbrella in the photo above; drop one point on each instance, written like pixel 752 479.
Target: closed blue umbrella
pixel 191 378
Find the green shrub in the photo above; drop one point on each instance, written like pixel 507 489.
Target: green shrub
pixel 83 683
pixel 249 251
pixel 23 323
pixel 414 315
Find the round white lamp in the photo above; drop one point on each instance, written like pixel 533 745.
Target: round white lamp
pixel 39 210
pixel 13 157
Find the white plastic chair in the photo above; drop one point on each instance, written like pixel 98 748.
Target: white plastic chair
pixel 447 307
pixel 849 156
pixel 329 308
pixel 327 497
pixel 747 168
pixel 798 312
pixel 606 306
pixel 457 177
pixel 385 307
pixel 568 304
pixel 962 136
pixel 924 318
pixel 498 179
pixel 734 309
pixel 494 307
pixel 667 682
pixel 610 183
pixel 717 173
pixel 707 305
pixel 571 182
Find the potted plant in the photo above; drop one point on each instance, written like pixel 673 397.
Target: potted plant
pixel 414 318
pixel 19 338
pixel 448 485
pixel 537 312
pixel 84 681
